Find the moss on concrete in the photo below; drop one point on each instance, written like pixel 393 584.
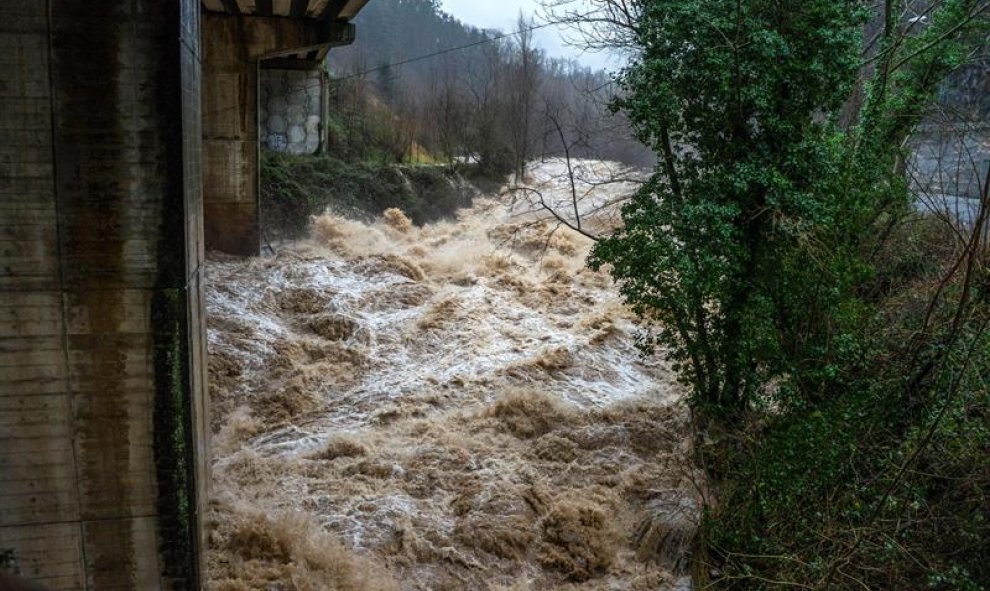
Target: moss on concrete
pixel 173 439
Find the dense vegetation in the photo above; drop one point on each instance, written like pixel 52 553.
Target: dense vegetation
pixel 488 96
pixel 835 341
pixel 294 188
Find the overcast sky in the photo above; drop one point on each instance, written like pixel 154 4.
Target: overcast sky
pixel 502 14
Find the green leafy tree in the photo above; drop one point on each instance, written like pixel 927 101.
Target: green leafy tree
pixel 838 355
pixel 748 248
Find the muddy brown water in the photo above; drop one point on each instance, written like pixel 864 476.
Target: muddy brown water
pixel 454 406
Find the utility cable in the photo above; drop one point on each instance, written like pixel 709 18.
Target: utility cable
pixel 427 56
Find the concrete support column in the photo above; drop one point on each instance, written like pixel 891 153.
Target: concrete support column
pixel 102 406
pixel 291 110
pixel 233 47
pixel 230 136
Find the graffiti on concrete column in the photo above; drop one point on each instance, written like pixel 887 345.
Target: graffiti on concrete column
pixel 291 107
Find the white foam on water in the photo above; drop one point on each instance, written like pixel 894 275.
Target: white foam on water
pixel 402 340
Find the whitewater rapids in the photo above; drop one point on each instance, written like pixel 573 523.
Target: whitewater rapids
pixel 456 406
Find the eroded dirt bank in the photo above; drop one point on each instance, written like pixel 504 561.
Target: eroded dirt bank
pixel 457 406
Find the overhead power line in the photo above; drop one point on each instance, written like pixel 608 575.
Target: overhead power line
pixel 427 56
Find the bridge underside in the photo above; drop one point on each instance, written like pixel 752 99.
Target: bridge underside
pixel 235 50
pixel 129 127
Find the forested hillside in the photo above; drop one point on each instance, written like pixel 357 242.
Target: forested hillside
pixel 484 95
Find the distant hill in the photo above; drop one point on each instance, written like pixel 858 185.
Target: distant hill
pixel 479 93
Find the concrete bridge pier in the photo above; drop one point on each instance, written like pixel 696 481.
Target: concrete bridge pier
pixel 103 406
pixel 239 50
pixel 102 432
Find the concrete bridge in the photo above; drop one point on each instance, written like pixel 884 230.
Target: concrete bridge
pixel 129 144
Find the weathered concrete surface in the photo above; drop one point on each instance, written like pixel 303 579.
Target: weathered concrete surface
pixel 232 48
pixel 948 167
pixel 103 416
pixel 950 159
pixel 344 9
pixel 101 349
pixel 292 106
pixel 950 152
